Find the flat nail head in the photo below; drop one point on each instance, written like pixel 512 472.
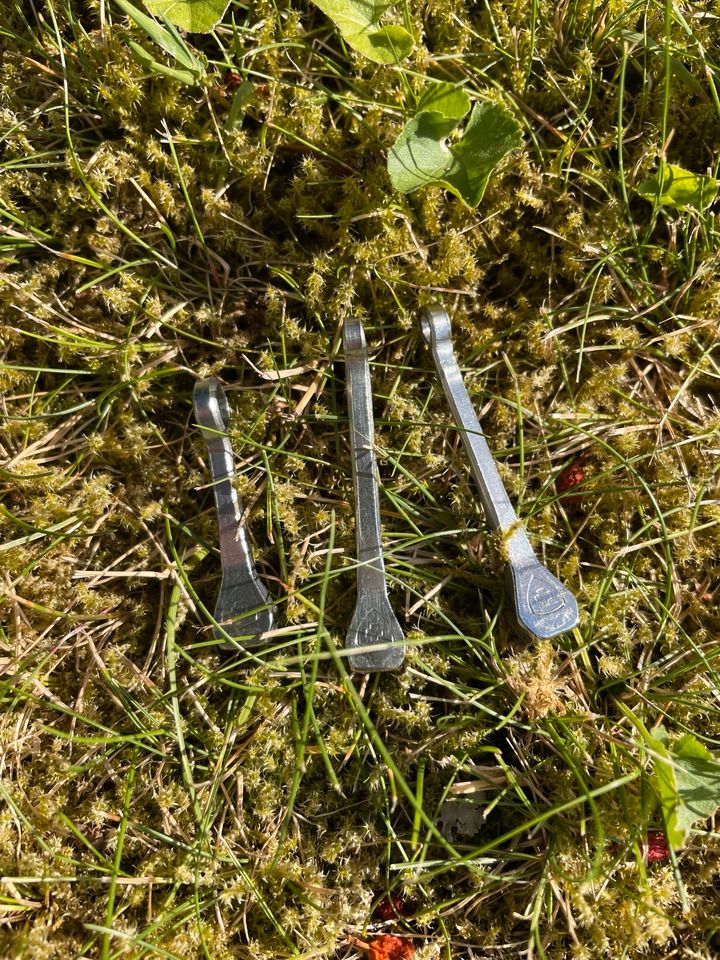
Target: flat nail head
pixel 542 606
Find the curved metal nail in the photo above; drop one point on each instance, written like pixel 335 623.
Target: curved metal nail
pixel 374 630
pixel 541 604
pixel 244 608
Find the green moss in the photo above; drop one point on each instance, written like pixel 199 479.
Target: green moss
pixel 256 826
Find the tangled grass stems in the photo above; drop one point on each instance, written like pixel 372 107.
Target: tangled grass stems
pixel 162 798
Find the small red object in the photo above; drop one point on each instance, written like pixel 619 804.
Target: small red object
pixel 568 478
pixel 232 79
pixel 388 947
pixel 390 907
pixel 657 846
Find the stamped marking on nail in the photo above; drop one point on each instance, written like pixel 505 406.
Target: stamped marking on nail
pixel 543 598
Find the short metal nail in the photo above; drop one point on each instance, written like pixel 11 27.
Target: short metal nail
pixel 541 604
pixel 244 608
pixel 374 632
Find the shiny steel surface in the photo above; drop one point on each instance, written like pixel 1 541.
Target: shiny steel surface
pixel 244 608
pixel 542 606
pixel 374 632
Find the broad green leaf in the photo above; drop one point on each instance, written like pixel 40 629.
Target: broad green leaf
pixel 445 98
pixel 672 186
pixel 421 155
pixel 359 23
pixel 490 134
pixel 389 44
pixel 243 95
pixel 687 779
pixel 195 16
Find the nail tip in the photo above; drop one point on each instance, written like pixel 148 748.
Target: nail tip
pixel 378 661
pixel 359 666
pixel 374 625
pixel 552 624
pixel 250 629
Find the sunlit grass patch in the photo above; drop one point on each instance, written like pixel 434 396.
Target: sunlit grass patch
pixel 216 208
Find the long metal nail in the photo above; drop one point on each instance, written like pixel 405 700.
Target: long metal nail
pixel 541 604
pixel 244 608
pixel 374 630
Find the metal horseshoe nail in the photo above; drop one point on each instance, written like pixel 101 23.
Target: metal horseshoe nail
pixel 542 606
pixel 374 630
pixel 244 608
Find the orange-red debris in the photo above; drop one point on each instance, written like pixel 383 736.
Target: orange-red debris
pixel 390 907
pixel 568 478
pixel 232 79
pixel 388 947
pixel 657 846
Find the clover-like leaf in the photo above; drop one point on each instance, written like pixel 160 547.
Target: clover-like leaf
pixel 490 134
pixel 673 186
pixel 445 98
pixel 421 154
pixel 359 23
pixel 195 16
pixel 687 779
